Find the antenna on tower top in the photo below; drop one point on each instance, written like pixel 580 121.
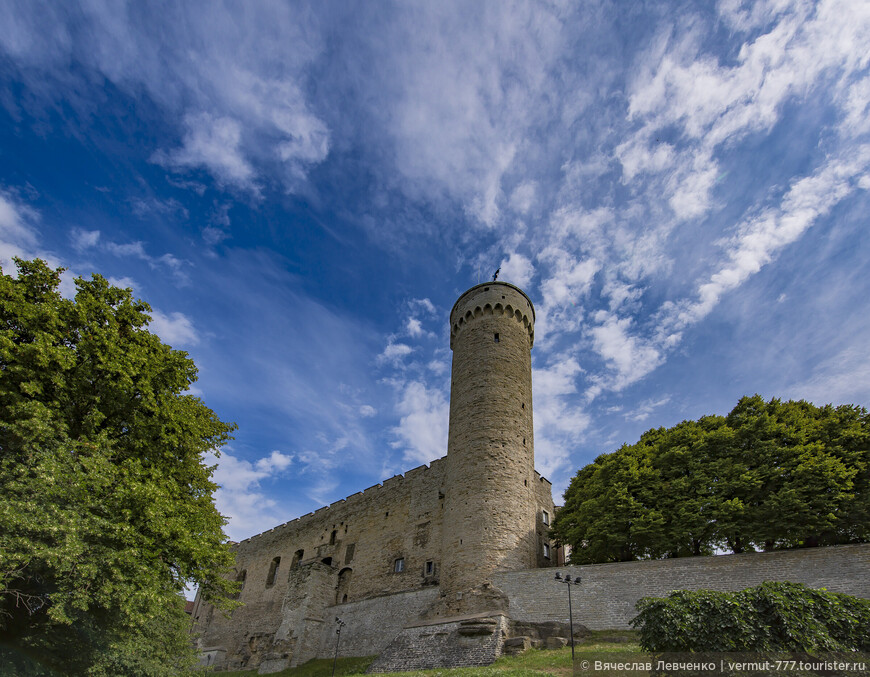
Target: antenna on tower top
pixel 495 276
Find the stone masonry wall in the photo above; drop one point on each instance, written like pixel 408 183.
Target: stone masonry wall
pixel 491 497
pixel 606 597
pixel 358 538
pixel 371 624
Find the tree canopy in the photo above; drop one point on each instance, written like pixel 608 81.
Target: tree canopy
pixel 768 475
pixel 106 507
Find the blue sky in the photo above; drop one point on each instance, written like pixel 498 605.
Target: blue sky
pixel 301 191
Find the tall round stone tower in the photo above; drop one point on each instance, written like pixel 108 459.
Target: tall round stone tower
pixel 489 506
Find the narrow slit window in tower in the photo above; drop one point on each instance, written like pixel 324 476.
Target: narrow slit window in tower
pixel 430 568
pixel 495 337
pixel 332 537
pixel 399 565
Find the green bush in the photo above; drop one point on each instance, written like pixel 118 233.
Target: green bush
pixel 768 617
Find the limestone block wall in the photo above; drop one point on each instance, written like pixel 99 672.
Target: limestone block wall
pixel 491 495
pixel 371 624
pixel 358 539
pixel 606 597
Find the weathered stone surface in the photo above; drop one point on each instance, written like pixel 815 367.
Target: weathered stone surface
pixel 441 645
pixel 514 646
pixel 608 593
pixel 541 630
pixel 556 642
pixel 490 499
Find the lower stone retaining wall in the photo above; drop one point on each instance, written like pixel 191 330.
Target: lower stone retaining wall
pixel 371 624
pixel 606 597
pixel 454 644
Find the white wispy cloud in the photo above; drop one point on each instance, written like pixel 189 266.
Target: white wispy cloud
pixel 17 230
pixel 629 356
pixel 240 496
pixel 83 240
pixel 394 353
pixel 759 238
pixel 517 269
pixel 559 420
pixel 422 430
pixel 176 328
pixel 238 100
pixel 213 143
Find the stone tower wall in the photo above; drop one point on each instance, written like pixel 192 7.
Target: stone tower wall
pixel 491 495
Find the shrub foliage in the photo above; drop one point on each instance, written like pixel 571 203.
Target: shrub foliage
pixel 769 617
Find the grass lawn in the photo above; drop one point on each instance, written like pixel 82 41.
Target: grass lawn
pixel 533 663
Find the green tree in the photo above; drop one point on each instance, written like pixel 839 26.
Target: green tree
pixel 106 507
pixel 768 475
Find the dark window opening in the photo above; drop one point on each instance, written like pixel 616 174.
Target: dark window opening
pixel 344 599
pixel 327 560
pixel 332 537
pixel 547 550
pixel 495 337
pixel 524 441
pixel 297 557
pixel 430 568
pixel 348 553
pixel 486 289
pixel 399 565
pixel 243 574
pixel 525 483
pixel 387 514
pixel 523 405
pixel 273 571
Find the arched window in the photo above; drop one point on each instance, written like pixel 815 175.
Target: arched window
pixel 273 571
pixel 332 537
pixel 343 587
pixel 297 557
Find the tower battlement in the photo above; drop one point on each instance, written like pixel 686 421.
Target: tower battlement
pixel 492 298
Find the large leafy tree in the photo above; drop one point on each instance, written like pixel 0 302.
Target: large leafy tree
pixel 768 475
pixel 106 507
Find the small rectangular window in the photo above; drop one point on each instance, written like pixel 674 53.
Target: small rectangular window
pixel 430 568
pixel 545 516
pixel 348 553
pixel 495 337
pixel 547 550
pixel 399 565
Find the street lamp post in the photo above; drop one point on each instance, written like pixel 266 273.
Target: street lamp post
pixel 340 624
pixel 567 581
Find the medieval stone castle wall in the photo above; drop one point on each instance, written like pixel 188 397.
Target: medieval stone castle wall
pixel 435 567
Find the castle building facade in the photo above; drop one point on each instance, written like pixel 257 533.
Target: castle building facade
pixel 421 547
pixel 447 565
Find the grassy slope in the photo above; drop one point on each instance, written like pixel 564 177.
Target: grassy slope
pixel 533 663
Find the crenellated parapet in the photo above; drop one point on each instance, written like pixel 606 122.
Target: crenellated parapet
pixel 390 486
pixel 492 298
